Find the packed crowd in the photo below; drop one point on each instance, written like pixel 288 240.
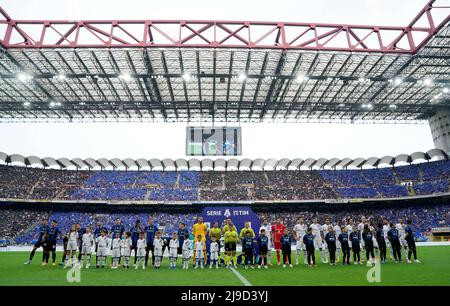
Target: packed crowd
pixel 15 224
pixel 46 184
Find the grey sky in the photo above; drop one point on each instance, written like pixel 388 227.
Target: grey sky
pixel 148 140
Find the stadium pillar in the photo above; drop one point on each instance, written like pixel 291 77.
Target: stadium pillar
pixel 440 129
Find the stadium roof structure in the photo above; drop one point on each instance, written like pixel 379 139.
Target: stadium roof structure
pixel 224 71
pixel 220 164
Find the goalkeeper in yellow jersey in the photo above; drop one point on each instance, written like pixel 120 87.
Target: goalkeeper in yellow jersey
pixel 231 239
pixel 200 230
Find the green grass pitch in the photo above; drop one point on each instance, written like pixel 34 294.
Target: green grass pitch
pixel 434 270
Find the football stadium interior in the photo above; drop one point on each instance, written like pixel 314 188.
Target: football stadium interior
pixel 221 73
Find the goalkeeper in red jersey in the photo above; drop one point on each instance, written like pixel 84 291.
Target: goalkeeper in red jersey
pixel 277 231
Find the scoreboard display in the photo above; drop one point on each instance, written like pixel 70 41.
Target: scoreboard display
pixel 213 141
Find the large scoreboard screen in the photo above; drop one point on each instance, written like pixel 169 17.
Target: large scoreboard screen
pixel 213 141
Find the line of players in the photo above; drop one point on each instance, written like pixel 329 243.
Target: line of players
pixel 330 240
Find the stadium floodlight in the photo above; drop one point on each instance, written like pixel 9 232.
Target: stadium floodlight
pixel 341 105
pixel 438 96
pixel 301 78
pixel 125 76
pixel 242 77
pixel 23 77
pixel 445 90
pixel 26 104
pixel 398 81
pixel 187 76
pixel 427 82
pixel 393 106
pixel 61 77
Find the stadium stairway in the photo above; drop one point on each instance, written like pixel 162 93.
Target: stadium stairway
pixel 411 191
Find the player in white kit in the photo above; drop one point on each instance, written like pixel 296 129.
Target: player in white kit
pixel 125 250
pixel 87 243
pixel 198 248
pixel 386 229
pixel 186 251
pixel 158 245
pixel 299 232
pixel 401 228
pixel 337 231
pixel 116 242
pixel 361 230
pixel 140 253
pixel 325 227
pixel 102 242
pixel 173 251
pixel 72 246
pixel 266 226
pixel 316 231
pixel 214 253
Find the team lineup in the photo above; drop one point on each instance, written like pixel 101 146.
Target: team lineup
pixel 202 246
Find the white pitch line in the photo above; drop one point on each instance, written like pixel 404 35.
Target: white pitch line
pixel 241 278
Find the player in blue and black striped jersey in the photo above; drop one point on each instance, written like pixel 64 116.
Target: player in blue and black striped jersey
pixel 308 240
pixel 150 232
pixel 263 247
pixel 248 248
pixel 356 245
pixel 135 231
pixel 345 247
pixel 394 240
pixel 330 239
pixel 409 237
pixel 53 235
pixel 286 244
pixel 80 231
pixel 379 235
pixel 43 229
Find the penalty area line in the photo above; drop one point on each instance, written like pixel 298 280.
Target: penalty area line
pixel 241 278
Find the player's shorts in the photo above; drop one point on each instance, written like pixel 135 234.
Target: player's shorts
pixel 375 243
pixel 173 252
pixel 277 245
pixel 126 252
pixel 186 254
pixel 38 244
pixel 318 242
pixel 338 244
pixel 101 251
pixel 86 250
pixel 324 245
pixel 214 256
pixel 115 253
pixel 403 242
pixel 158 252
pixel 199 254
pixel 363 243
pixel 230 246
pixel 263 251
pixel 388 243
pixel 140 252
pixel 133 245
pixel 51 246
pixel 299 245
pixel 72 246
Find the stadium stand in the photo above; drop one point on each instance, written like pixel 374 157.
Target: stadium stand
pixel 283 185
